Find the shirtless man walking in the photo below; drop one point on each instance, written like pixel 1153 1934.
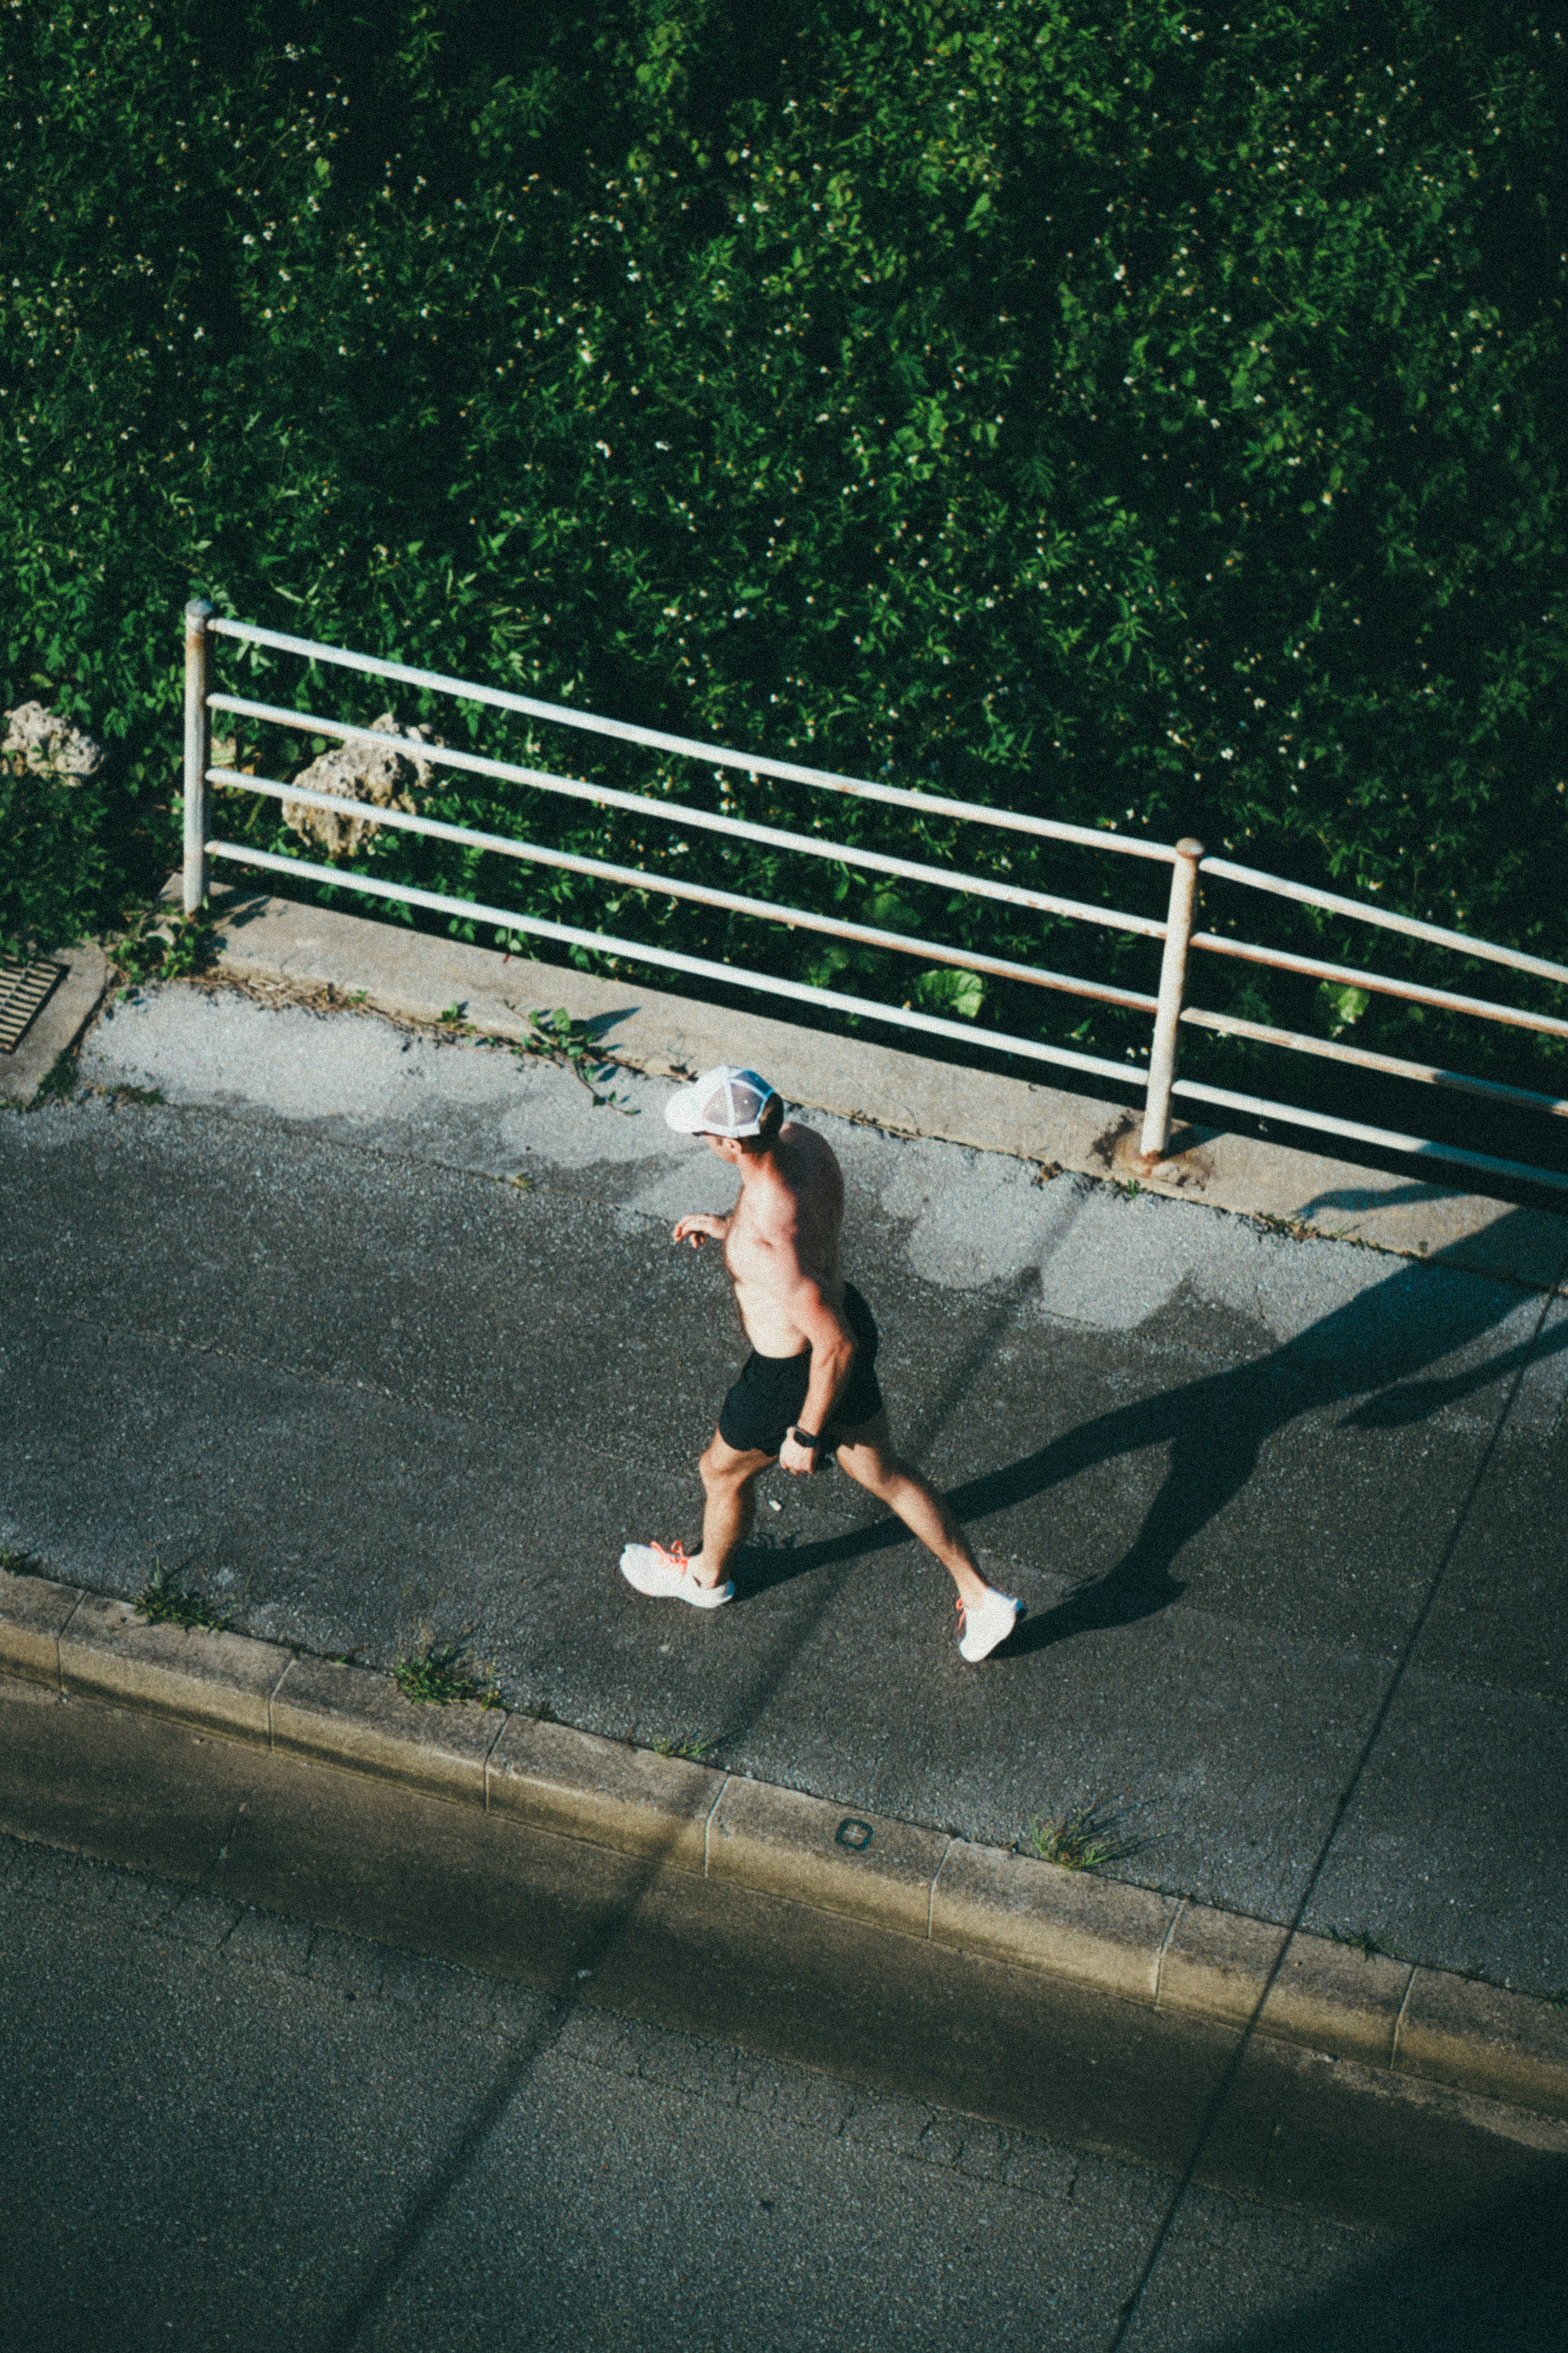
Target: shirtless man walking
pixel 809 1388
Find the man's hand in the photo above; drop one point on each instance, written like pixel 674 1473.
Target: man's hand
pixel 798 1458
pixel 702 1226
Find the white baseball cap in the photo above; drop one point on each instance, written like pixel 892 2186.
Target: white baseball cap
pixel 725 1102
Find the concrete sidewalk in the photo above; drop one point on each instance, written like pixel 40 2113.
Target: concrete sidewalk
pixel 286 1330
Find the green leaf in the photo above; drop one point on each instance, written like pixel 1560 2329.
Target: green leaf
pixel 950 992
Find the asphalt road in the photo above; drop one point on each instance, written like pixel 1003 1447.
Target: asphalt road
pixel 222 2127
pixel 1287 1515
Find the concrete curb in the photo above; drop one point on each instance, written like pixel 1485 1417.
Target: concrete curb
pixel 1159 1952
pixel 279 944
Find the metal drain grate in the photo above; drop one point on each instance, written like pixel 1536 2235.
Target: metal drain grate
pixel 23 989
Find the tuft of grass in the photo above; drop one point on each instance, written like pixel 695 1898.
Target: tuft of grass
pixel 1084 1840
pixel 1364 1942
pixel 164 1603
pixel 442 1674
pixel 438 1672
pixel 137 1096
pixel 697 1749
pixel 21 1563
pixel 456 1017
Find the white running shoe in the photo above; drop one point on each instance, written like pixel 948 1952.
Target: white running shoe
pixel 985 1627
pixel 669 1576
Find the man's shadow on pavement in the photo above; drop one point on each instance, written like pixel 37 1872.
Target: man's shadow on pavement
pixel 1376 1347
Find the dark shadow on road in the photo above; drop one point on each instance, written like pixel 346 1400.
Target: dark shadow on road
pixel 1376 1348
pixel 1491 2275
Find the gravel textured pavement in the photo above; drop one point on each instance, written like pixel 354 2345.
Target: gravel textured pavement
pixel 1286 1514
pixel 227 2128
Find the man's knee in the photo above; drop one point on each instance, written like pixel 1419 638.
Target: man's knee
pixel 719 1469
pixel 872 1467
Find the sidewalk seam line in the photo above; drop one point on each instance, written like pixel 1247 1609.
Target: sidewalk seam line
pixel 1395 2067
pixel 931 1891
pixel 60 1634
pixel 708 1822
pixel 271 1703
pixel 1165 1946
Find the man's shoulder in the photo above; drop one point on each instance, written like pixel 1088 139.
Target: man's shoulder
pixel 809 1142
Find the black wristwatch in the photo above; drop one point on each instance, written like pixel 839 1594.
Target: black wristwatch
pixel 805 1438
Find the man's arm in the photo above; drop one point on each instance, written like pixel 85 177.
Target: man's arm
pixel 702 1226
pixel 832 1355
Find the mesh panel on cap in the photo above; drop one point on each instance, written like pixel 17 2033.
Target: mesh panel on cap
pixel 716 1110
pixel 736 1105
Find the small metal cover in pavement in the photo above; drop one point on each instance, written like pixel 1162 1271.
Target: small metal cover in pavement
pixel 23 990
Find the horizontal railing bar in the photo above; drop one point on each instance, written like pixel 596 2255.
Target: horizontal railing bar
pixel 1230 1025
pixel 690 747
pixel 900 1017
pixel 1389 920
pixel 680 813
pixel 636 878
pixel 1378 982
pixel 1193 1090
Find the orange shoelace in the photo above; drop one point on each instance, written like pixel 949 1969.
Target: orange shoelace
pixel 673 1556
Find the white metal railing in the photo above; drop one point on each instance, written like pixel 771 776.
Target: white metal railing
pixel 1174 931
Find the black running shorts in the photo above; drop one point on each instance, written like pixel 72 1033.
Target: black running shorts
pixel 765 1403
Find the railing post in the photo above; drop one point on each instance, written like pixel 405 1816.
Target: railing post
pixel 1167 1019
pixel 198 750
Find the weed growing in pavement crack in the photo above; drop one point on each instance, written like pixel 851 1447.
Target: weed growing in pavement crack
pixel 1364 1942
pixel 440 1673
pixel 554 1036
pixel 21 1563
pixel 698 1751
pixel 1084 1840
pixel 164 1603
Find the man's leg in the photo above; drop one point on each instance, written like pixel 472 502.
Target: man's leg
pixel 728 1478
pixel 866 1454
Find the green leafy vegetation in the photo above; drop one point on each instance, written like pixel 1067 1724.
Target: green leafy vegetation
pixel 157 945
pixel 1150 417
pixel 696 1749
pixel 441 1674
pixel 163 1602
pixel 1087 1839
pixel 436 1671
pixel 555 1037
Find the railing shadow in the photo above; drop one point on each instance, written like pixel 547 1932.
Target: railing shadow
pixel 1376 1348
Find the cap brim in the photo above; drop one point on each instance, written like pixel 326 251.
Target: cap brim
pixel 681 1111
